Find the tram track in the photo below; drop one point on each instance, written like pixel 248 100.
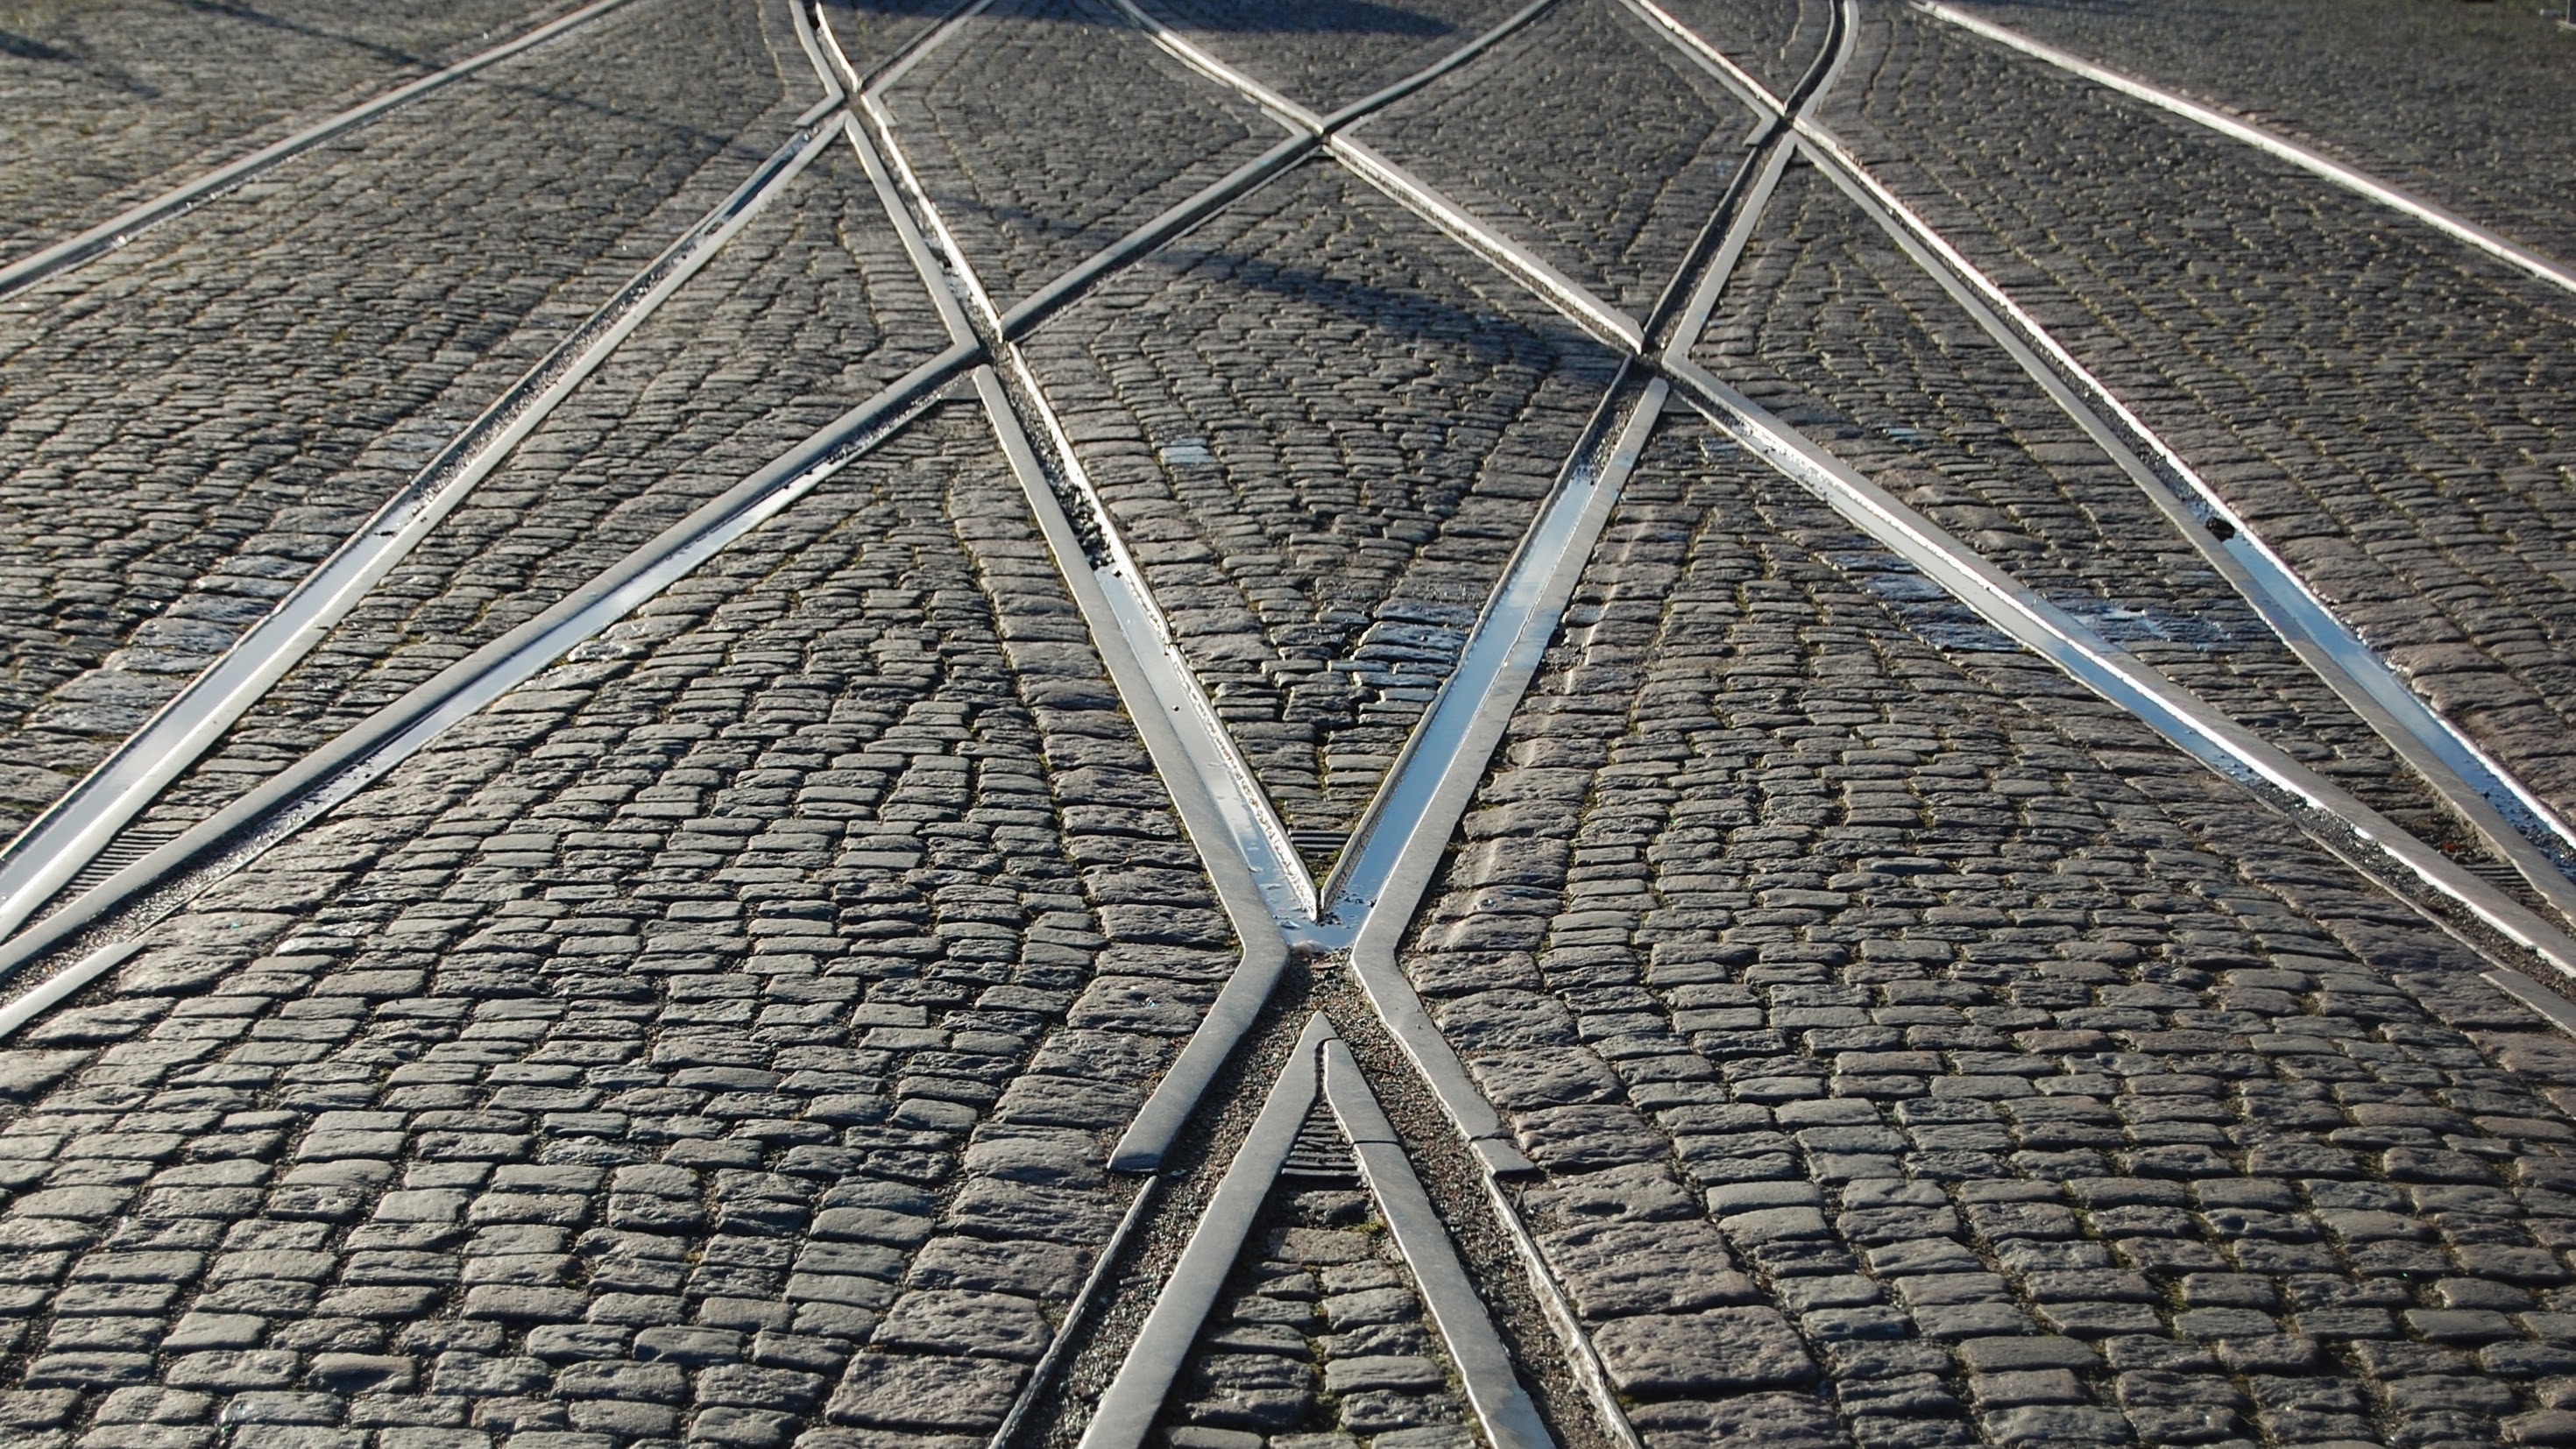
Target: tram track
pixel 1991 590
pixel 78 250
pixel 2271 143
pixel 63 842
pixel 1395 852
pixel 2501 810
pixel 83 836
pixel 1369 901
pixel 2344 824
pixel 96 924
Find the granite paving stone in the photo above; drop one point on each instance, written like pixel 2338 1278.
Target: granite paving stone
pixel 1335 52
pixel 1776 40
pixel 1587 137
pixel 1834 330
pixel 816 286
pixel 1046 129
pixel 720 1039
pixel 1320 1338
pixel 110 104
pixel 186 425
pixel 2433 100
pixel 1321 430
pixel 1933 1036
pixel 2389 408
pixel 633 1061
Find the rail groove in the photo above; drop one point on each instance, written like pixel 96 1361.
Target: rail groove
pixel 1319 1066
pixel 54 850
pixel 116 231
pixel 2270 143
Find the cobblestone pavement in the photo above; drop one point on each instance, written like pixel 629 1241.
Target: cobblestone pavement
pixel 1321 429
pixel 1049 128
pixel 101 102
pixel 1821 1022
pixel 1605 148
pixel 167 481
pixel 1854 344
pixel 816 288
pixel 2437 99
pixel 2391 411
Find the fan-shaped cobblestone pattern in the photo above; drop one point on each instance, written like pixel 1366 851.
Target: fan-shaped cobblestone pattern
pixel 718 1036
pixel 1908 1026
pixel 2391 411
pixel 188 425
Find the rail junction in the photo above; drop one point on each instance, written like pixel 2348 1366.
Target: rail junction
pixel 1376 724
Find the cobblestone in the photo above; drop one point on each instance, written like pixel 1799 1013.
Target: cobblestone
pixel 816 287
pixel 1833 329
pixel 2437 101
pixel 167 479
pixel 1048 128
pixel 719 1040
pixel 1777 40
pixel 669 1049
pixel 1334 52
pixel 1588 137
pixel 1322 430
pixel 106 105
pixel 2390 411
pixel 1321 1339
pixel 1910 1008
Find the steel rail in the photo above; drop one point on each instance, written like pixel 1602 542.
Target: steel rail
pixel 1262 950
pixel 1320 1067
pixel 807 41
pixel 69 835
pixel 1502 1407
pixel 1457 737
pixel 116 231
pixel 1126 1410
pixel 1198 741
pixel 1097 1285
pixel 374 745
pixel 1682 309
pixel 72 832
pixel 1252 827
pixel 2271 143
pixel 1381 171
pixel 2199 728
pixel 2485 794
pixel 1397 848
pixel 164 880
pixel 1262 946
pixel 2173 711
pixel 2482 792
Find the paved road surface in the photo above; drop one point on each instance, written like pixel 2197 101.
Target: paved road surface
pixel 794 902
